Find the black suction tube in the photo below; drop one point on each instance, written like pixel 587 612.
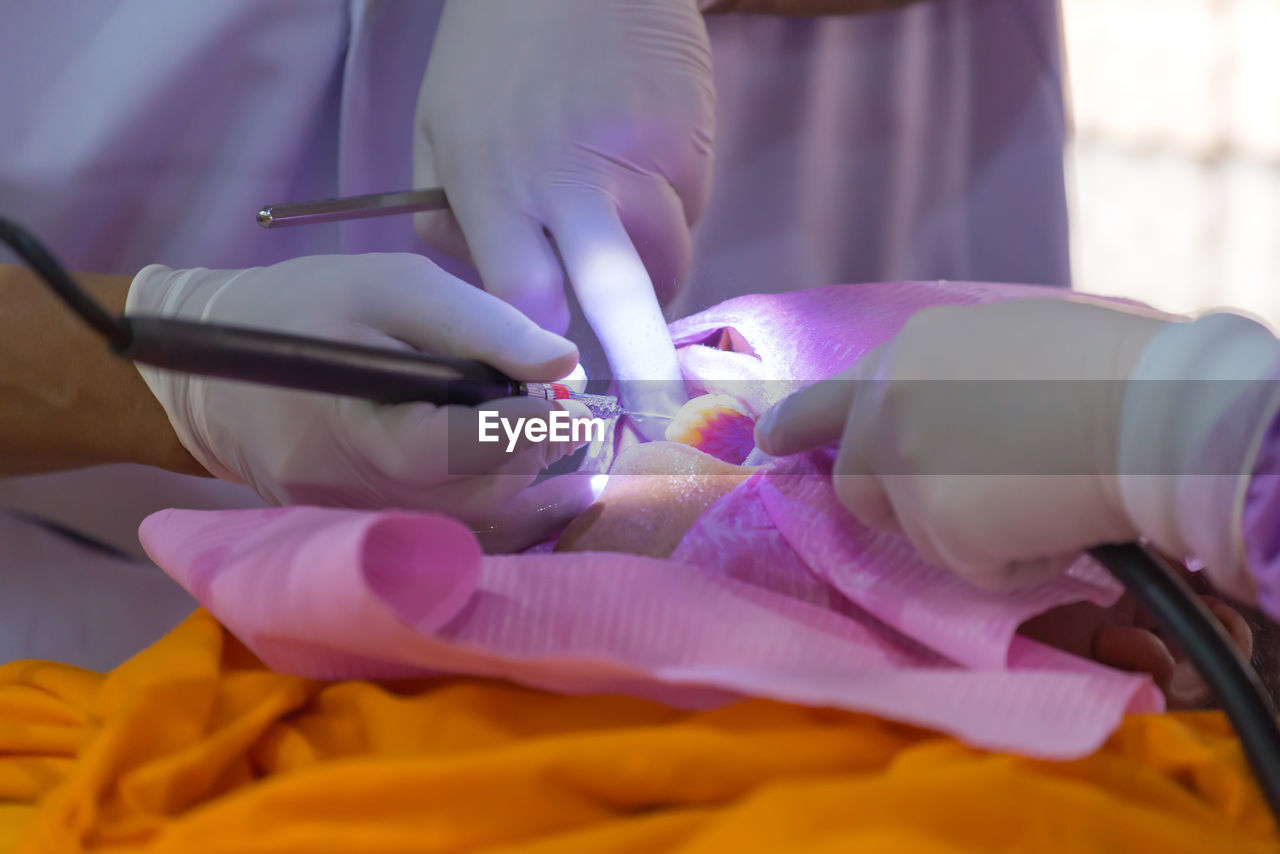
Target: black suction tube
pixel 1182 615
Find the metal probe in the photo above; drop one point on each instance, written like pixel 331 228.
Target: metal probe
pixel 353 207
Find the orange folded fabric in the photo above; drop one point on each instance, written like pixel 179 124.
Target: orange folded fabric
pixel 194 747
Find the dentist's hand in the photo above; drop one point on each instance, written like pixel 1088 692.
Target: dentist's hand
pixel 297 447
pixel 583 125
pixel 989 435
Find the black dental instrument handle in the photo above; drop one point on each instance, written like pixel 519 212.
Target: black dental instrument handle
pixel 312 364
pixel 1234 682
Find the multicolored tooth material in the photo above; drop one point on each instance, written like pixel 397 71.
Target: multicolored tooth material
pixel 715 424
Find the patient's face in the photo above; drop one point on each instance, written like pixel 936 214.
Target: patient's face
pixel 654 495
pixel 657 491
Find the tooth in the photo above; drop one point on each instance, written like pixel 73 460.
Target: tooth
pixel 716 424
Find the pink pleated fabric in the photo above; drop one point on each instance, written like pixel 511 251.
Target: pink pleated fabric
pixel 775 592
pixel 799 337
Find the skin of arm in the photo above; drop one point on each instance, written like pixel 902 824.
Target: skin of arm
pixel 65 401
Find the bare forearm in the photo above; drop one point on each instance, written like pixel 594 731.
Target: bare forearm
pixel 65 401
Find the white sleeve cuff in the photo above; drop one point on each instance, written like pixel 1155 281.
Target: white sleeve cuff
pixel 1192 419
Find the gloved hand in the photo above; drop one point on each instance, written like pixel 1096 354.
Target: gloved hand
pixel 588 122
pixel 1000 480
pixel 298 447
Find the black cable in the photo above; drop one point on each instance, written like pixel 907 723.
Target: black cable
pixel 1233 681
pixel 114 329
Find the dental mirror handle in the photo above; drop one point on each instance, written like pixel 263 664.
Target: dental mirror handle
pixel 353 207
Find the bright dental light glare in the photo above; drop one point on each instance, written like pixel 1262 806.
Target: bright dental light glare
pixel 630 320
pixel 576 380
pixel 598 483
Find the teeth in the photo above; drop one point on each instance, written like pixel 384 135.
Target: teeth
pixel 715 424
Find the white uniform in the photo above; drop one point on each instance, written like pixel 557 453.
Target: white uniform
pixel 925 143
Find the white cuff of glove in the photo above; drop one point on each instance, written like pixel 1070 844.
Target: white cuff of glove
pixel 1193 419
pixel 159 291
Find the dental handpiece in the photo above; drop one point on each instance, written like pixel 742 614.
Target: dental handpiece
pixel 333 367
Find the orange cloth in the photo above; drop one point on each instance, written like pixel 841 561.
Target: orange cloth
pixel 194 747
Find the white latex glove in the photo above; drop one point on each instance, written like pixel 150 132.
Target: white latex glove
pixel 299 447
pixel 583 124
pixel 1003 482
pixel 1203 396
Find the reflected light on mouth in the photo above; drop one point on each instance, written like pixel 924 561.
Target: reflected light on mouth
pixel 625 315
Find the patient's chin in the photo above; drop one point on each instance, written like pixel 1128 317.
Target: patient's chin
pixel 654 495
